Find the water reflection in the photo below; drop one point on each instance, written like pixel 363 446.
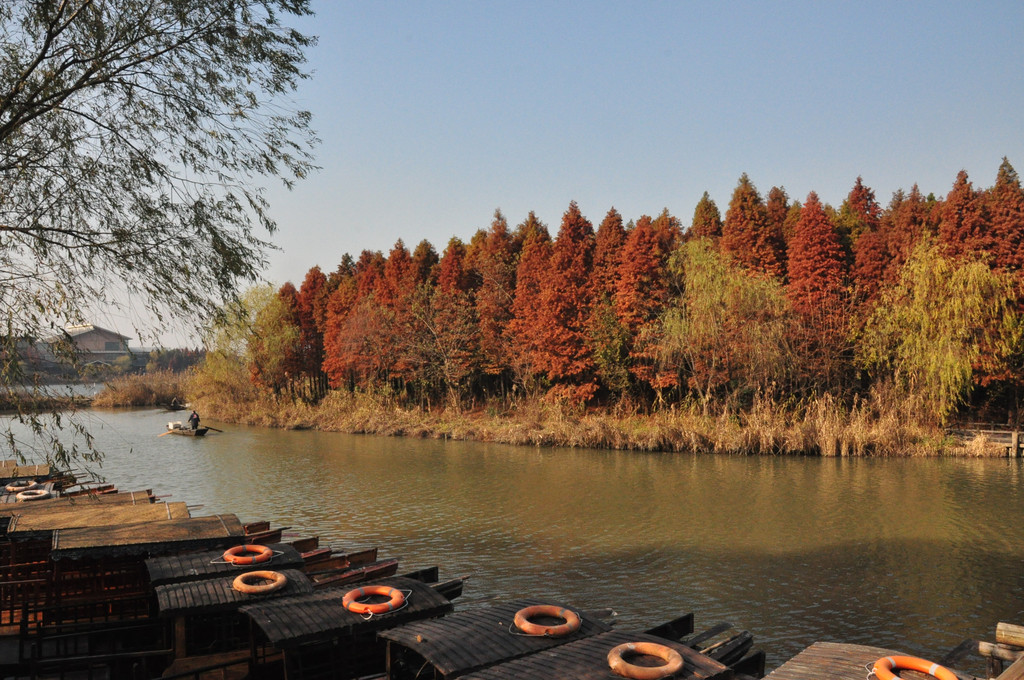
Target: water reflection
pixel 911 554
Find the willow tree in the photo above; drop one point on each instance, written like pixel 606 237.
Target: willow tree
pixel 927 331
pixel 729 333
pixel 136 137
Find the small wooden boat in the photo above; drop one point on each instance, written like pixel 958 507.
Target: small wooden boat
pixel 188 432
pixel 178 427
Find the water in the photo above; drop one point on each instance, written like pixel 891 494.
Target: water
pixel 913 554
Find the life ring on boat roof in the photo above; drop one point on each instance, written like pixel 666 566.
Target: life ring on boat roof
pixel 884 668
pixel 617 662
pixel 352 597
pixel 33 495
pixel 248 554
pixel 273 580
pixel 523 623
pixel 21 485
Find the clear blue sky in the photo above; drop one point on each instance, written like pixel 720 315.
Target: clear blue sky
pixel 433 114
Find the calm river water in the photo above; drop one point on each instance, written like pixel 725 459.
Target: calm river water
pixel 911 554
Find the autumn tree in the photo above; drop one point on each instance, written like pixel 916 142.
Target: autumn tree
pixel 608 338
pixel 524 327
pixel 816 287
pixel 608 241
pixel 494 267
pixel 707 220
pixel 816 262
pixel 1005 207
pixel 445 345
pixel 748 235
pixel 311 313
pixel 964 225
pixel 640 297
pixel 859 213
pixel 562 350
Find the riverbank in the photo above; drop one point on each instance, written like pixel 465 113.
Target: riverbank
pixel 823 427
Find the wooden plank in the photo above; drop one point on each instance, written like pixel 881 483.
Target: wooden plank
pixel 218 595
pixel 83 501
pixel 477 638
pixel 836 661
pixel 1014 672
pixel 289 622
pixel 67 517
pixel 146 538
pixel 587 659
pixel 211 564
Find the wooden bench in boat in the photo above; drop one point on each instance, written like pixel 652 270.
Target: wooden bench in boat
pixel 319 638
pixel 587 659
pixel 211 564
pixel 471 640
pixel 69 517
pixel 148 538
pixel 837 661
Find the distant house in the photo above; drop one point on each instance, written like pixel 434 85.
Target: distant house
pixel 98 345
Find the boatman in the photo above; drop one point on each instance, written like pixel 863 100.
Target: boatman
pixel 193 420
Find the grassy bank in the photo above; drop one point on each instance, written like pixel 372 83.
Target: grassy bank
pixel 160 388
pixel 881 426
pixel 821 428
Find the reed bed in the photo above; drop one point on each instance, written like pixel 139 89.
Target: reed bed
pixel 881 424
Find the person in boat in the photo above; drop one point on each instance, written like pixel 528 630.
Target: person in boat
pixel 193 420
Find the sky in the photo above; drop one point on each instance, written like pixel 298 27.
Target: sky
pixel 434 114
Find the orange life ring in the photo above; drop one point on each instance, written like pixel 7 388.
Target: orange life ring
pixel 248 554
pixel 673 661
pixel 276 579
pixel 522 620
pixel 884 667
pixel 350 601
pixel 33 495
pixel 21 485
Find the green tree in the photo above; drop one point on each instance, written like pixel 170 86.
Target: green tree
pixel 134 140
pixel 729 332
pixel 926 331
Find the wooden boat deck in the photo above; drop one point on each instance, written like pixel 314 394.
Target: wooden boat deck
pixel 211 564
pixel 69 517
pixel 148 538
pixel 321 616
pixel 587 659
pixel 476 638
pixel 218 595
pixel 10 469
pixel 79 501
pixel 836 661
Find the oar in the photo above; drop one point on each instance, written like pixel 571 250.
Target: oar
pixel 168 432
pixel 212 428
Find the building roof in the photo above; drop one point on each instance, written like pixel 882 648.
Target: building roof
pixel 82 329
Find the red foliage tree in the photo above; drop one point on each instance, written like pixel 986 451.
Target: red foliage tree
pixel 562 350
pixel 707 220
pixel 906 220
pixel 1005 207
pixel 748 235
pixel 424 260
pixel 311 312
pixel 607 252
pixel 816 261
pixel 523 327
pixel 494 267
pixel 964 226
pixel 640 295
